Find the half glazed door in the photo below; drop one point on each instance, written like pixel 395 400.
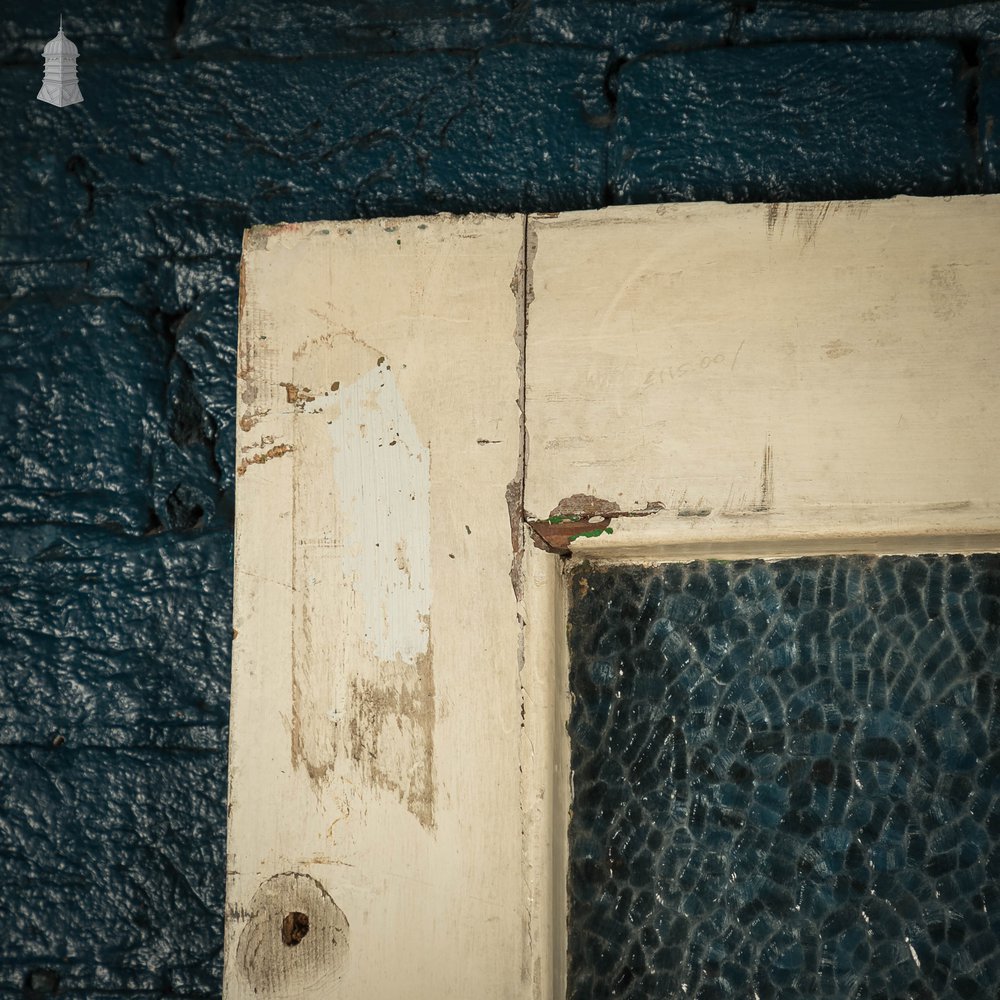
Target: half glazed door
pixel 454 432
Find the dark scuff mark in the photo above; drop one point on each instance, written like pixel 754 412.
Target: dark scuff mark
pixel 246 346
pixel 694 511
pixel 772 216
pixel 949 505
pixel 766 501
pixel 749 502
pixel 809 216
pixel 837 349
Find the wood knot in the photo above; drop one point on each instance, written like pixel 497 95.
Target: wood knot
pixel 294 940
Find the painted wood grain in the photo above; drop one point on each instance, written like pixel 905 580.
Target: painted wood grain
pixel 765 379
pixel 376 847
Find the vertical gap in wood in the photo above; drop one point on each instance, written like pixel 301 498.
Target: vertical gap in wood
pixel 520 283
pixel 544 741
pixel 529 246
pixel 522 593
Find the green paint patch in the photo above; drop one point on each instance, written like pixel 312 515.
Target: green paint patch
pixel 592 534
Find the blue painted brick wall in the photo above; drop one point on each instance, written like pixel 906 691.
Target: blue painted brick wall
pixel 120 228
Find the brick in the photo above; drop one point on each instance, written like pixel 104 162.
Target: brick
pixel 794 122
pixel 112 407
pixel 351 28
pixel 630 29
pixel 127 894
pixel 530 133
pixel 782 21
pixel 84 380
pixel 99 29
pixel 112 641
pixel 177 159
pixel 199 299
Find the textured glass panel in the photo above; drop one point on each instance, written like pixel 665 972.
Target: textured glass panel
pixel 786 779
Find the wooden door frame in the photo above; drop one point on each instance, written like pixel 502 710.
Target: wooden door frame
pixel 492 398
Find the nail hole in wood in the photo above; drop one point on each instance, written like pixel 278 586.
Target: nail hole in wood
pixel 294 927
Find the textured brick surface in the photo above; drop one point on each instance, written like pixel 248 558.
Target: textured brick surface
pixel 142 29
pixel 123 893
pixel 120 228
pixel 795 122
pixel 113 642
pixel 848 20
pixel 631 29
pixel 313 27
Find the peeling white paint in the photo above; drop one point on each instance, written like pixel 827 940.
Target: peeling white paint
pixel 381 470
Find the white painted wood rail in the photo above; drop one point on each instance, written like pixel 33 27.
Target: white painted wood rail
pixel 429 411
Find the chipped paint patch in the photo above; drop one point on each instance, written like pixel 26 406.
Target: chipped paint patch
pixel 557 534
pixel 582 505
pixel 261 457
pixel 580 516
pixel 251 418
pixel 296 394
